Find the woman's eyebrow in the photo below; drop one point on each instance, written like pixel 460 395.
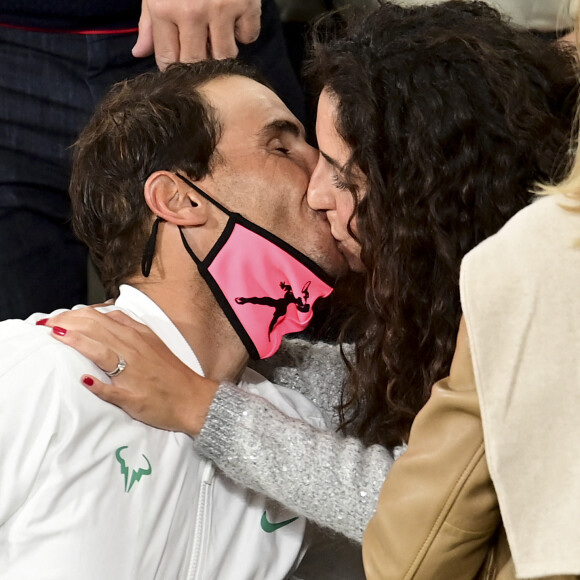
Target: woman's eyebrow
pixel 332 161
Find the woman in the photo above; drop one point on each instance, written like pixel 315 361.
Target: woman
pixel 433 123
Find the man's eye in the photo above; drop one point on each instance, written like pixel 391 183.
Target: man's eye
pixel 283 150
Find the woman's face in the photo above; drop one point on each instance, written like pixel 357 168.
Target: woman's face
pixel 327 191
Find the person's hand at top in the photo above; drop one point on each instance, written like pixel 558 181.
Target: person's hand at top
pixel 193 30
pixel 151 384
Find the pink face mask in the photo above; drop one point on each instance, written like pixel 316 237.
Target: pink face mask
pixel 265 287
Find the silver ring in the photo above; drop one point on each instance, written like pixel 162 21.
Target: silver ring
pixel 121 365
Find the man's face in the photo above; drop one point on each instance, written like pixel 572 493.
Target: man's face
pixel 265 166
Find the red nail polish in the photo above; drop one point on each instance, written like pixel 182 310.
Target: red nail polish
pixel 88 381
pixel 58 330
pixel 41 322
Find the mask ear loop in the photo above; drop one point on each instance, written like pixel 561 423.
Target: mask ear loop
pixel 149 253
pixel 188 248
pixel 204 194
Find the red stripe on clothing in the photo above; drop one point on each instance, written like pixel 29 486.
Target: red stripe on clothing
pixel 64 31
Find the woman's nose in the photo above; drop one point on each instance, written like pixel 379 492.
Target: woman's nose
pixel 319 194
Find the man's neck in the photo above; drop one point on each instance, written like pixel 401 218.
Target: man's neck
pixel 204 326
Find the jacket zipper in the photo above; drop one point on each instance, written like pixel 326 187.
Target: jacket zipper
pixel 202 521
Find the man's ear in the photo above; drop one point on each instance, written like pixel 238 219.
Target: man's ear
pixel 173 200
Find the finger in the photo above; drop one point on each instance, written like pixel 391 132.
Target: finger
pixel 193 39
pixel 104 391
pixel 144 45
pixel 103 338
pixel 222 38
pixel 247 27
pixel 117 322
pixel 79 316
pixel 93 334
pixel 81 319
pixel 96 324
pixel 165 42
pixel 97 351
pixel 109 302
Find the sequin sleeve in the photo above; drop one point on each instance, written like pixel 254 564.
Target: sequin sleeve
pixel 317 370
pixel 333 480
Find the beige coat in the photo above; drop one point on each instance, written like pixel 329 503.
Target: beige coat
pixel 438 516
pixel 438 513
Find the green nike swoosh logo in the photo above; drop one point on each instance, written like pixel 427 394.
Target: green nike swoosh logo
pixel 269 527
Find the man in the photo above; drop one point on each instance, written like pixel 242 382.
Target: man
pixel 160 178
pixel 57 60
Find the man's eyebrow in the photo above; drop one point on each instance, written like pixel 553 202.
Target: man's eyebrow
pixel 282 126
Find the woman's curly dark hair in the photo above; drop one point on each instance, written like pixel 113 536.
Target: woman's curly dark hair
pixel 452 115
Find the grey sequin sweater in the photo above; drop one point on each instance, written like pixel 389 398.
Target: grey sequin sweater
pixel 331 479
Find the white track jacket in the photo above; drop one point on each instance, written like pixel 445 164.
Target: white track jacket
pixel 87 493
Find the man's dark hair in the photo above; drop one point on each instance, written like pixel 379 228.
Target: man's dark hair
pixel 156 121
pixel 452 115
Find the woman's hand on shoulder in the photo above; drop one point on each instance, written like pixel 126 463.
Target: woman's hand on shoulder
pixel 153 385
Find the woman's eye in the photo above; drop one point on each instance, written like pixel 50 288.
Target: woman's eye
pixel 338 183
pixel 283 150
